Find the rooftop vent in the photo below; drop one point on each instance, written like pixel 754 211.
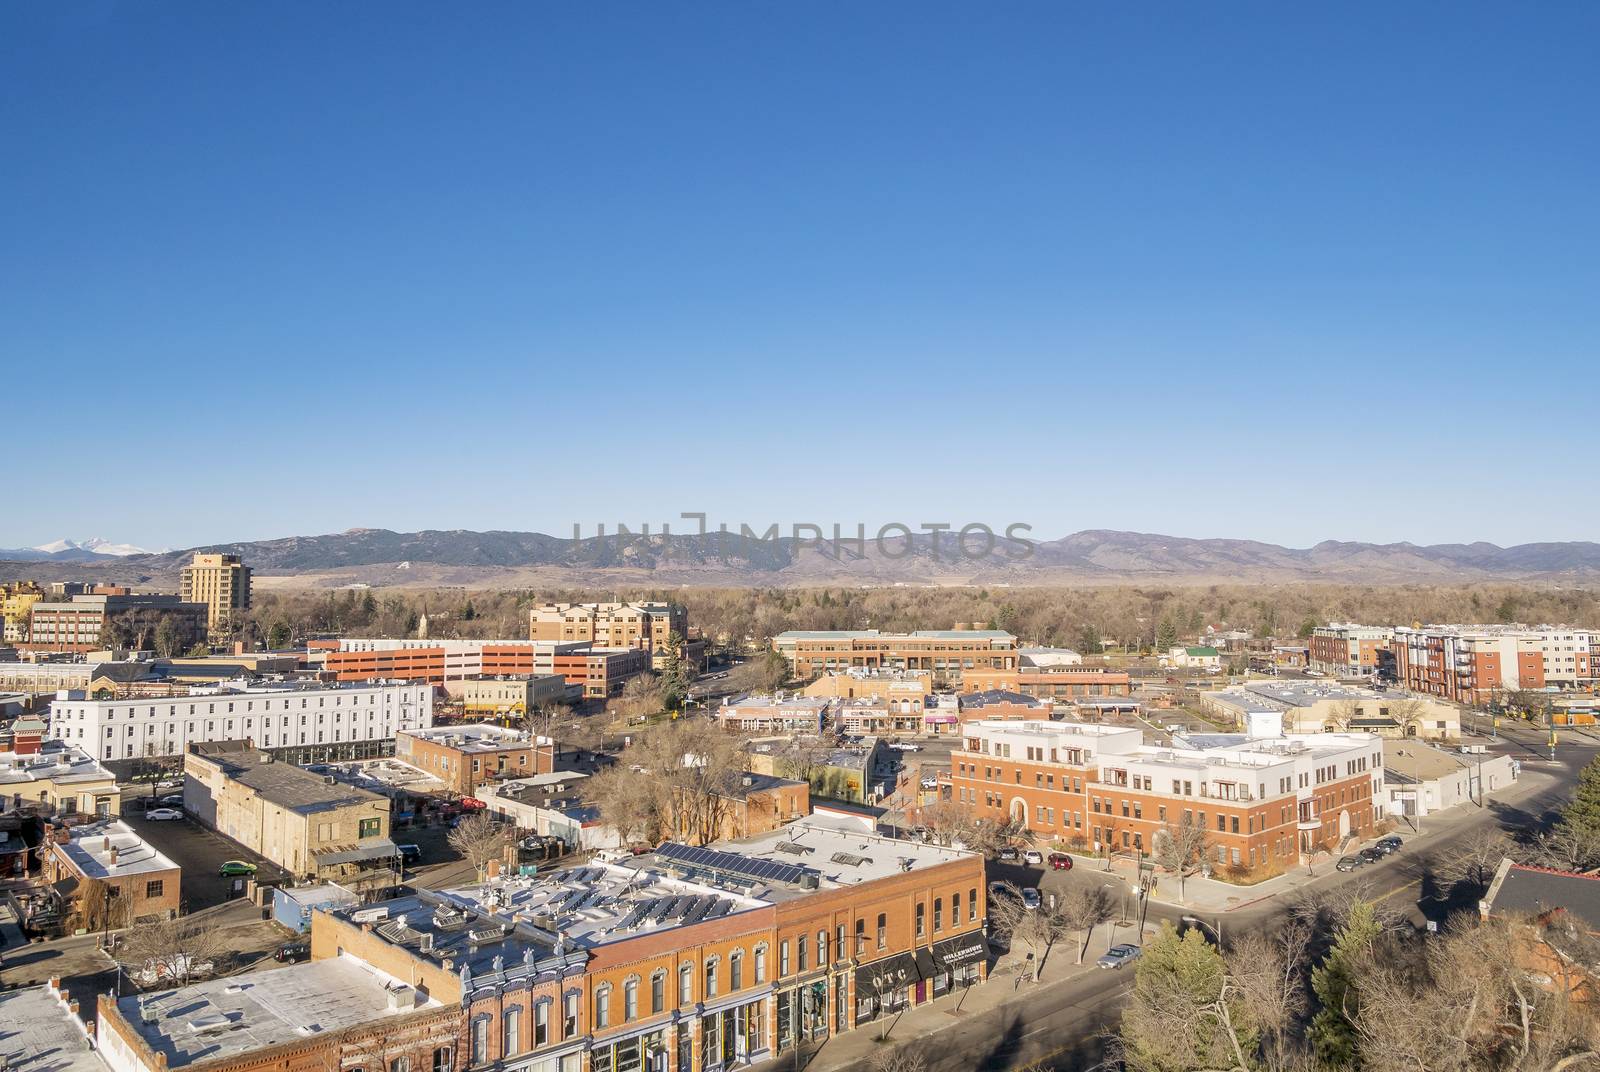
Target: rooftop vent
pixel 849 859
pixel 793 848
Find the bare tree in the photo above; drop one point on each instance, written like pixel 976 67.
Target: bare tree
pixel 678 779
pixel 1477 858
pixel 1084 908
pixel 898 1059
pixel 1567 847
pixel 170 952
pixel 641 698
pixel 478 840
pixel 1181 849
pixel 1269 973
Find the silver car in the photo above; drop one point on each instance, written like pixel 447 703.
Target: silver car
pixel 1118 955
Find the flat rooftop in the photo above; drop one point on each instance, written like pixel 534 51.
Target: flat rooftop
pixel 229 1016
pixel 806 703
pixel 39 1034
pixel 837 851
pixel 93 845
pixel 1413 761
pixel 475 737
pixel 284 784
pixel 526 919
pixel 55 762
pixel 381 776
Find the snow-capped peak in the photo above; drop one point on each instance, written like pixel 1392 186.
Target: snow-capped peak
pixel 94 545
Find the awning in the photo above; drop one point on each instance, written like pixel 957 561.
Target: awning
pixel 925 965
pixel 376 849
pixel 962 949
pixel 890 973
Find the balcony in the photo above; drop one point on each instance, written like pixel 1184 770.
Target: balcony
pixel 1313 823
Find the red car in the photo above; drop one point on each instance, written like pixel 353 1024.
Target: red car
pixel 472 804
pixel 1060 861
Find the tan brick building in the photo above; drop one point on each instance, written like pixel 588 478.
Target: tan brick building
pixel 609 625
pixel 221 583
pixel 1053 682
pixel 948 654
pixel 311 825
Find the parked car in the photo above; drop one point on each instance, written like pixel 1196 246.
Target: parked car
pixel 1060 861
pixel 1003 889
pixel 163 815
pixel 1033 856
pixel 292 952
pixel 1388 844
pixel 472 804
pixel 1371 855
pixel 173 800
pixel 232 868
pixel 1009 853
pixel 1118 955
pixel 1348 863
pixel 181 967
pixel 1030 898
pixel 409 854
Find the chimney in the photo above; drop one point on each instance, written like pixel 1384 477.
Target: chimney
pixel 426 944
pixel 114 856
pixel 493 870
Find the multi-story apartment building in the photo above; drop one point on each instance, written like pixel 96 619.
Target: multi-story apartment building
pixel 1061 682
pixel 464 757
pixel 50 676
pixel 1264 802
pixel 609 625
pixel 115 617
pixel 222 583
pixel 314 827
pixel 271 716
pixel 1345 649
pixel 949 654
pixel 1471 664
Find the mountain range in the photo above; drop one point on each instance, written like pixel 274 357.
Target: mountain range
pixel 90 550
pixel 500 559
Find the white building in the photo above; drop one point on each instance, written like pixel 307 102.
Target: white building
pixel 270 715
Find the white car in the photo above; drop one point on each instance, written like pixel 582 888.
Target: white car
pixel 163 815
pixel 1033 856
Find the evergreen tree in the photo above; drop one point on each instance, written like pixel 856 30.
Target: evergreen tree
pixel 1333 1033
pixel 1184 980
pixel 1583 811
pixel 1166 636
pixel 674 674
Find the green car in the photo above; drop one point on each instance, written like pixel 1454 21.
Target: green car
pixel 231 868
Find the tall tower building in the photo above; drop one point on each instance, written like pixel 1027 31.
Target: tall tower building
pixel 222 583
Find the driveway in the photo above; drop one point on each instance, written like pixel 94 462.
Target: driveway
pixel 199 852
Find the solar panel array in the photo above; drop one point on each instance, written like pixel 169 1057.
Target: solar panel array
pixel 731 864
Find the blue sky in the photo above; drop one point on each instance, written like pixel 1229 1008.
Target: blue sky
pixel 1208 270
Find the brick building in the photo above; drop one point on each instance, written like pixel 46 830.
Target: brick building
pixel 1345 649
pixel 1265 802
pixel 609 625
pixel 1472 664
pixel 1061 682
pixel 221 583
pixel 948 654
pixel 115 617
pixel 107 859
pixel 465 757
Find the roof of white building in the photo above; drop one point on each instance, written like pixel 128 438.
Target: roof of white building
pixel 475 737
pixel 233 1015
pixel 92 847
pixel 42 1035
pixel 56 762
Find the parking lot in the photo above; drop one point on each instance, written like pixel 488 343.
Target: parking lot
pixel 200 852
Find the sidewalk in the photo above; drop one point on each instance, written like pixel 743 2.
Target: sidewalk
pixel 1215 896
pixel 1007 983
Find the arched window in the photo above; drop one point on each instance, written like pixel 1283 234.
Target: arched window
pixel 630 999
pixel 736 970
pixel 658 991
pixel 711 978
pixel 685 983
pixel 602 1007
pixel 761 963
